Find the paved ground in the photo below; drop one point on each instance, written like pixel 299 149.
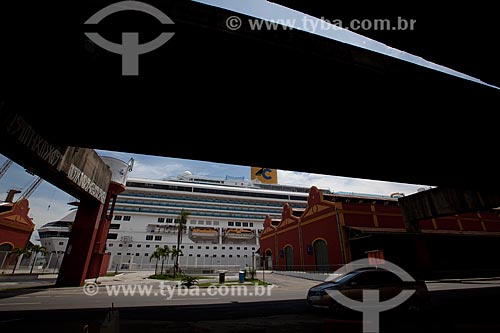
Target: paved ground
pixel 220 316
pixel 459 305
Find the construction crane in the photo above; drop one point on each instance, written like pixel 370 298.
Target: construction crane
pixel 5 167
pixel 29 191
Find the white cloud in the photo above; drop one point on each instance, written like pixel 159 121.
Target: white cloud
pixel 345 184
pixel 154 171
pixel 158 167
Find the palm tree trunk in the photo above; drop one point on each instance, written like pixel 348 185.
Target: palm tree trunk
pixel 33 263
pixel 162 261
pixel 176 263
pixel 156 267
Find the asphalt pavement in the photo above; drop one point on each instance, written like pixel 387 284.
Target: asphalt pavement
pixel 39 306
pixel 459 305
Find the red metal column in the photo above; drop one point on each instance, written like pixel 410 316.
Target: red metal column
pixel 97 262
pixel 100 242
pixel 76 260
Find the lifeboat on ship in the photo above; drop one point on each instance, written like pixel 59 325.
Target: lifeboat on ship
pixel 233 233
pixel 204 233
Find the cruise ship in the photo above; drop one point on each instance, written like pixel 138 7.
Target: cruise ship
pixel 54 237
pixel 225 220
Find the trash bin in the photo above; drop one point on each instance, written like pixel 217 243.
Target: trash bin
pixel 222 277
pixel 242 276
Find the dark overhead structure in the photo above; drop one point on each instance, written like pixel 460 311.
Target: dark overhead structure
pixel 266 92
pixel 459 36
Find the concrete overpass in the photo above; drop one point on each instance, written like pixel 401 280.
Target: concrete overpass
pixel 458 36
pixel 242 96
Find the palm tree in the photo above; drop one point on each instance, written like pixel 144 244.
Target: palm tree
pixel 189 280
pixel 156 255
pixel 181 225
pixel 36 249
pixel 164 253
pixel 18 253
pixel 175 252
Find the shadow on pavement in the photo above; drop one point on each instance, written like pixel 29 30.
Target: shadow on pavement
pixel 462 310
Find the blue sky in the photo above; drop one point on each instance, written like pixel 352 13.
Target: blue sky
pixel 273 12
pixel 48 203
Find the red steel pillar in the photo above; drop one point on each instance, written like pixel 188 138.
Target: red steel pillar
pixel 98 266
pixel 76 260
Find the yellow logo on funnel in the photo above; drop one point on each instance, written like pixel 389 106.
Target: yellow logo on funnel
pixel 265 175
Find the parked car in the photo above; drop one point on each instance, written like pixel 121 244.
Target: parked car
pixel 353 283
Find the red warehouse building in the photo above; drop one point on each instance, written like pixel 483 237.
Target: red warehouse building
pixel 16 228
pixel 338 228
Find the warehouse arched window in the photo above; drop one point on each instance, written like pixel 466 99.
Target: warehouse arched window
pixel 321 254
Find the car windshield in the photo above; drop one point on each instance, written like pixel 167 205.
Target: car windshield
pixel 344 277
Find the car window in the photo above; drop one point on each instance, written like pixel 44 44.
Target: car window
pixel 375 278
pixel 387 278
pixel 364 279
pixel 344 278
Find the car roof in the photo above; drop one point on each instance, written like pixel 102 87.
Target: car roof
pixel 370 268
